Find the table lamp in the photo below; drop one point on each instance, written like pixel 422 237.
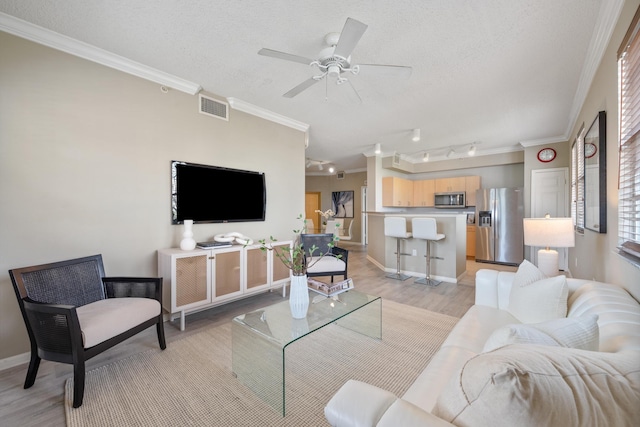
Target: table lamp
pixel 549 233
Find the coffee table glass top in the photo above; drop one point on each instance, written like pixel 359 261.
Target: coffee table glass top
pixel 260 337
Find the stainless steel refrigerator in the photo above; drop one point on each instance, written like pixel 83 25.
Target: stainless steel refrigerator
pixel 499 232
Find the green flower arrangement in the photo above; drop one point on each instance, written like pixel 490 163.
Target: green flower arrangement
pixel 295 259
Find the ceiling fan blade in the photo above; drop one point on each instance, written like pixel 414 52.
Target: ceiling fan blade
pixel 349 37
pixel 286 56
pixel 302 86
pixel 386 70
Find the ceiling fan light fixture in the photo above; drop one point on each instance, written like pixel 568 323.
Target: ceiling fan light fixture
pixel 416 135
pixel 378 150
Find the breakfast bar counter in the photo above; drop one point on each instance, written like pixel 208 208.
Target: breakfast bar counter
pixel 381 249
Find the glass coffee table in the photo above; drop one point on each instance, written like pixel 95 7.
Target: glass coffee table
pixel 260 338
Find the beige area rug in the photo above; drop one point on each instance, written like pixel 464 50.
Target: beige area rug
pixel 191 384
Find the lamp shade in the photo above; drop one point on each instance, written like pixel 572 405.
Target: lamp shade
pixel 549 232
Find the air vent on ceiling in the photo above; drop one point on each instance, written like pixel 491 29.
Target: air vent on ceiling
pixel 396 159
pixel 213 107
pixel 340 175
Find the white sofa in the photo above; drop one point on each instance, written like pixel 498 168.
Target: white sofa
pixel 523 382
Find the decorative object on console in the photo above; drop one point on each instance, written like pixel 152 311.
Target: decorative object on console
pixel 549 233
pixel 188 243
pixel 232 237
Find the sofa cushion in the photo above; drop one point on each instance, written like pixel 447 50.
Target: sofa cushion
pixel 532 385
pixel 107 318
pixel 527 274
pixel 579 332
pixel 618 314
pixel 539 301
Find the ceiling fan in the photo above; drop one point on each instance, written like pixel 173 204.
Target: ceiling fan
pixel 335 60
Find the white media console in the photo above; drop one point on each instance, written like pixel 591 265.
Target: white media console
pixel 203 278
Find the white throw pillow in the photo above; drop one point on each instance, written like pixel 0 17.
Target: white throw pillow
pixel 539 301
pixel 574 332
pixel 532 385
pixel 527 274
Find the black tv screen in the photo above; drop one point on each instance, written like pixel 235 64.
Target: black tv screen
pixel 216 194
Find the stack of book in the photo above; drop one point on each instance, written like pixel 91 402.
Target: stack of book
pixel 213 245
pixel 329 289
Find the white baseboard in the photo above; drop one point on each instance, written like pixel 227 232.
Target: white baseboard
pixel 16 360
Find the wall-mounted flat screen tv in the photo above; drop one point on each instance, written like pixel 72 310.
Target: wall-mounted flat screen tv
pixel 206 193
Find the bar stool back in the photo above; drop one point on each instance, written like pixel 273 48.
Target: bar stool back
pixel 426 228
pixel 397 227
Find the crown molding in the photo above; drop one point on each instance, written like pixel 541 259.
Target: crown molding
pixel 43 36
pixel 263 113
pixel 544 141
pixel 607 19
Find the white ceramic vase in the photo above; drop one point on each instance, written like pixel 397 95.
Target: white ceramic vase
pixel 187 243
pixel 299 296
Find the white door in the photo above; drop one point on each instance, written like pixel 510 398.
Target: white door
pixel 550 195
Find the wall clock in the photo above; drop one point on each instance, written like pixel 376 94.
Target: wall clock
pixel 589 150
pixel 546 155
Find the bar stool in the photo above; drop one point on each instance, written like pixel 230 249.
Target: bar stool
pixel 397 227
pixel 426 228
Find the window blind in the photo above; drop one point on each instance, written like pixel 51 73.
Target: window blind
pixel 629 148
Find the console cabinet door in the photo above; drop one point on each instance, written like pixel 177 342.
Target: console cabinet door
pixel 189 280
pixel 257 268
pixel 226 268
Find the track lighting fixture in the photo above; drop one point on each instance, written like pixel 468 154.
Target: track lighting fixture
pixel 331 169
pixel 378 150
pixel 472 150
pixel 450 153
pixel 308 163
pixel 320 167
pixel 416 135
pixel 425 157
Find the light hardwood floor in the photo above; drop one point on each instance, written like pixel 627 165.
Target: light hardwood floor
pixel 42 404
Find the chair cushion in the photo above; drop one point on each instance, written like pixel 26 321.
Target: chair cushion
pixel 327 263
pixel 539 301
pixel 109 317
pixel 577 332
pixel 532 385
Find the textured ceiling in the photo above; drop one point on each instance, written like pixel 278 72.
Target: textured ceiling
pixel 498 72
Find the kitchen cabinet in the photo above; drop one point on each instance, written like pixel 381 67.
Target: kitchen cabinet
pixel 471 241
pixel 397 192
pixel 423 191
pixel 448 185
pixel 471 184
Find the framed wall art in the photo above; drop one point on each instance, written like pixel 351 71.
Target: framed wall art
pixel 342 204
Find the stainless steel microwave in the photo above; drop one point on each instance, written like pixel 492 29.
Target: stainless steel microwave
pixel 450 200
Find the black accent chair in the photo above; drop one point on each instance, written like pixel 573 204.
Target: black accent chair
pixel 52 297
pixel 334 259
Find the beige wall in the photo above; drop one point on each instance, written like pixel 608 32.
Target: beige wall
pixel 594 256
pixel 85 157
pixel 329 183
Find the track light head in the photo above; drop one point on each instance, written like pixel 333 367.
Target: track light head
pixel 450 153
pixel 378 150
pixel 425 157
pixel 416 135
pixel 320 167
pixel 472 150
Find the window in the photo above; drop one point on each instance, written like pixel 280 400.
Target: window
pixel 577 181
pixel 629 147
